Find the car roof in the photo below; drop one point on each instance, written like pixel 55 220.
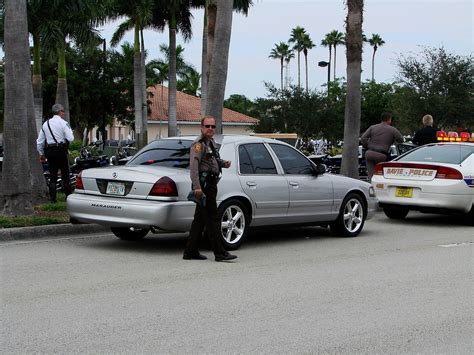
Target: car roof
pixel 230 138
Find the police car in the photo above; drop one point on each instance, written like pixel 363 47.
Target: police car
pixel 434 178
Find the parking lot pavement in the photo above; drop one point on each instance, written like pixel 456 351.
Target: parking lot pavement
pixel 39 232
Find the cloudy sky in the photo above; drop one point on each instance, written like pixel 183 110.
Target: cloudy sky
pixel 405 26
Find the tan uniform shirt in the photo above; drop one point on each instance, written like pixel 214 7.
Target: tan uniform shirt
pixel 202 160
pixel 380 137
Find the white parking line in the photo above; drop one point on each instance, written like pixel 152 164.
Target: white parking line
pixel 455 244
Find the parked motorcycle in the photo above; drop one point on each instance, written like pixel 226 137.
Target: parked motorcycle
pixel 123 154
pixel 89 157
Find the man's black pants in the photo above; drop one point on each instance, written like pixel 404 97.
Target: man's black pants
pixel 58 160
pixel 206 216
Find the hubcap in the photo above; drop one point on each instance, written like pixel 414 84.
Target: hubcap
pixel 233 224
pixel 353 215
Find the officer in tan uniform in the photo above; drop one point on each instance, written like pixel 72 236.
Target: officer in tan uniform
pixel 377 140
pixel 205 168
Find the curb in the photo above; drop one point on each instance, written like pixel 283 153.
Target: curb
pixel 47 231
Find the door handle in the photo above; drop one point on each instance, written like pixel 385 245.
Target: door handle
pixel 251 184
pixel 294 184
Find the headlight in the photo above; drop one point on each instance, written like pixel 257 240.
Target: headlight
pixel 371 191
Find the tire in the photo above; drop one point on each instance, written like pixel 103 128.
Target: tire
pixel 234 222
pixel 351 218
pixel 130 233
pixel 469 217
pixel 395 213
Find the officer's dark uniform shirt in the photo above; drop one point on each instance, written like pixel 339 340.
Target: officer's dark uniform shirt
pixel 203 160
pixel 425 135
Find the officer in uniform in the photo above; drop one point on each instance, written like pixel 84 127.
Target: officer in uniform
pixel 377 140
pixel 52 142
pixel 205 166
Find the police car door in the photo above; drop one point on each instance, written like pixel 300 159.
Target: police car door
pixel 311 196
pixel 261 181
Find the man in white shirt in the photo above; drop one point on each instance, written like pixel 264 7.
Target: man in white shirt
pixel 52 143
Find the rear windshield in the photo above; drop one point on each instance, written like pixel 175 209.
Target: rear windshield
pixel 172 153
pixel 441 153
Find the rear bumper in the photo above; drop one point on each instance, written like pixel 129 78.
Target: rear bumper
pixel 117 212
pixel 423 200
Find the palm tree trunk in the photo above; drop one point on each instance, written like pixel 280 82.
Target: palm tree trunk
pixel 334 68
pixel 37 82
pixel 281 72
pixel 299 78
pixel 144 93
pixel 373 61
pixel 172 121
pixel 219 64
pixel 350 160
pixel 137 88
pixel 39 191
pixel 61 91
pixel 204 78
pixel 211 28
pixel 306 69
pixel 15 192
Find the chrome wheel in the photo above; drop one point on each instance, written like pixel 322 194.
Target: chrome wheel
pixel 353 215
pixel 351 218
pixel 233 217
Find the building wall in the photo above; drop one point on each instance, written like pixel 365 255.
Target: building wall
pixel 120 132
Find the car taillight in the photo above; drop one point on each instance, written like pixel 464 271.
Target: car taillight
pixel 378 169
pixel 79 183
pixel 448 173
pixel 164 187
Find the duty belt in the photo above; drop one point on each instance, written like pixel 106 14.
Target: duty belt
pixel 206 176
pixel 56 145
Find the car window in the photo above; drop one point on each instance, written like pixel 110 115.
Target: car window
pixel 172 153
pixel 440 153
pixel 254 158
pixel 292 161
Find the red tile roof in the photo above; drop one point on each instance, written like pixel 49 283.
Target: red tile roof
pixel 188 108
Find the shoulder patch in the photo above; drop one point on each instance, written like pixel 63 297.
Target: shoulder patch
pixel 198 147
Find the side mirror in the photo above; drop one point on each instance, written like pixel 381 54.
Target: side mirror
pixel 320 169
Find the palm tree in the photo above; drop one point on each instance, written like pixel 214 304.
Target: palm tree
pixel 327 42
pixel 306 44
pixel 190 84
pixel 297 35
pixel 281 51
pixel 376 41
pixel 39 11
pixel 139 15
pixel 15 198
pixel 337 38
pixel 288 58
pixel 350 160
pixel 210 13
pixel 219 63
pixel 77 22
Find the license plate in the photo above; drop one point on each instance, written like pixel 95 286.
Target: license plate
pixel 115 188
pixel 404 192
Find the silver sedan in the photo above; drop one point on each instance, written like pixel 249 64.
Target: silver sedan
pixel 269 183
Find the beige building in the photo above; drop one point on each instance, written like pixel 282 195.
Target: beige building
pixel 188 114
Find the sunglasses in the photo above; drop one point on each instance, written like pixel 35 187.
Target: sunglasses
pixel 210 126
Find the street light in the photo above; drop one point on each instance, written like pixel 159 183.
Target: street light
pixel 326 64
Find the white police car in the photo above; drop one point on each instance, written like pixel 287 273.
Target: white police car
pixel 434 178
